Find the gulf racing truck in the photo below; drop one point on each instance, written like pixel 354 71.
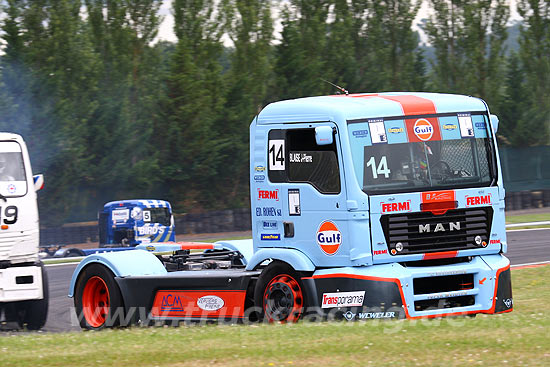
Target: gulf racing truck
pixel 364 206
pixel 23 280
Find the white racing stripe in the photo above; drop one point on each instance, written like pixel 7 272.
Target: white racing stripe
pixel 529 264
pixel 527 229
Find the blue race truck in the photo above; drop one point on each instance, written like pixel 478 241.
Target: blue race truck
pixel 125 224
pixel 364 206
pixel 134 222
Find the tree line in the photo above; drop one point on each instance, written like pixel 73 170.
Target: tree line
pixel 110 114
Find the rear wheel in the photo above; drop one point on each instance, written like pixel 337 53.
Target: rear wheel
pixel 98 300
pixel 279 293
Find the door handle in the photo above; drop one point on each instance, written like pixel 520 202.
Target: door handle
pixel 289 229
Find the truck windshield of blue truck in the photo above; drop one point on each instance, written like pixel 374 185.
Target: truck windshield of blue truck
pixel 420 153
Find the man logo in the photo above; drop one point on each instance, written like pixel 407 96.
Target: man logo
pixel 453 226
pixel 423 129
pixel 329 237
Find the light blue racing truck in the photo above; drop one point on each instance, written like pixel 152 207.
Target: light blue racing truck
pixel 364 206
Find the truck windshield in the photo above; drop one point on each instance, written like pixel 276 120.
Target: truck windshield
pixel 12 170
pixel 422 153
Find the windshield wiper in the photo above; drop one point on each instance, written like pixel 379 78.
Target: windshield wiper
pixel 3 198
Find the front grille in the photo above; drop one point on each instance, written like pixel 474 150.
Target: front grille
pixel 446 283
pixel 425 232
pixel 442 303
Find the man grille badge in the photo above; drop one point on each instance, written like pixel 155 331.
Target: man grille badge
pixel 508 302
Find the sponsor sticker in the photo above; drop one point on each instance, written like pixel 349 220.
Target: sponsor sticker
pixel 404 206
pixel 492 242
pixel 150 248
pixel 268 194
pixel 294 202
pixel 380 252
pixel 259 178
pixel 329 237
pixel 120 215
pixel 269 224
pixel 396 130
pixel 466 126
pixel 268 211
pixel 259 168
pixel 361 133
pixel 450 127
pixel 478 200
pixel 343 299
pixel 378 131
pixel 210 303
pixel 143 231
pixel 271 237
pixel 423 129
pixel 508 302
pixel 171 302
pixel 11 188
pixel 376 315
pixel 434 196
pixel 480 125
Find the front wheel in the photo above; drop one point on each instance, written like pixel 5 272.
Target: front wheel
pixel 33 313
pixel 98 300
pixel 279 293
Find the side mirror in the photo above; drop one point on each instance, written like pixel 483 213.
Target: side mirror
pixel 38 182
pixel 323 135
pixel 494 122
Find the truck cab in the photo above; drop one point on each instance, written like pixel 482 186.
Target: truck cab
pixel 134 222
pixel 23 282
pixel 399 185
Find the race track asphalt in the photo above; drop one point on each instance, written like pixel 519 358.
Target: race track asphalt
pixel 524 246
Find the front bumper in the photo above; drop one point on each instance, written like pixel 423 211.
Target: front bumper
pixel 21 283
pixel 397 291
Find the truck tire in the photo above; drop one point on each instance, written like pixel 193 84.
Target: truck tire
pixel 98 301
pixel 35 313
pixel 280 294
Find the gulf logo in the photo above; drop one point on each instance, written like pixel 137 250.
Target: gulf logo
pixel 329 237
pixel 423 129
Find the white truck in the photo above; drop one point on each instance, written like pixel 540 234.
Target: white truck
pixel 23 280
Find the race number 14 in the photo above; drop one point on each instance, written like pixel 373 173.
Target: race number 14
pixel 276 155
pixel 381 169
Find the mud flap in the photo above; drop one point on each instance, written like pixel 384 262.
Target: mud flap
pixel 357 298
pixel 503 300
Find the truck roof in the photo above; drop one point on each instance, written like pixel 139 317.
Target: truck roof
pixel 367 105
pixel 9 136
pixel 147 203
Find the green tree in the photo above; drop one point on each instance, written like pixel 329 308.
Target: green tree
pixel 468 37
pixel 301 59
pixel 391 43
pixel 513 103
pixel 186 132
pixel 128 90
pixel 249 82
pixel 534 127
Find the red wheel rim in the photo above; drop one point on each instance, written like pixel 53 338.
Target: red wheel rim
pixel 95 301
pixel 283 299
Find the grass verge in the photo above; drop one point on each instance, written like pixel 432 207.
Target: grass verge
pixel 527 218
pixel 519 338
